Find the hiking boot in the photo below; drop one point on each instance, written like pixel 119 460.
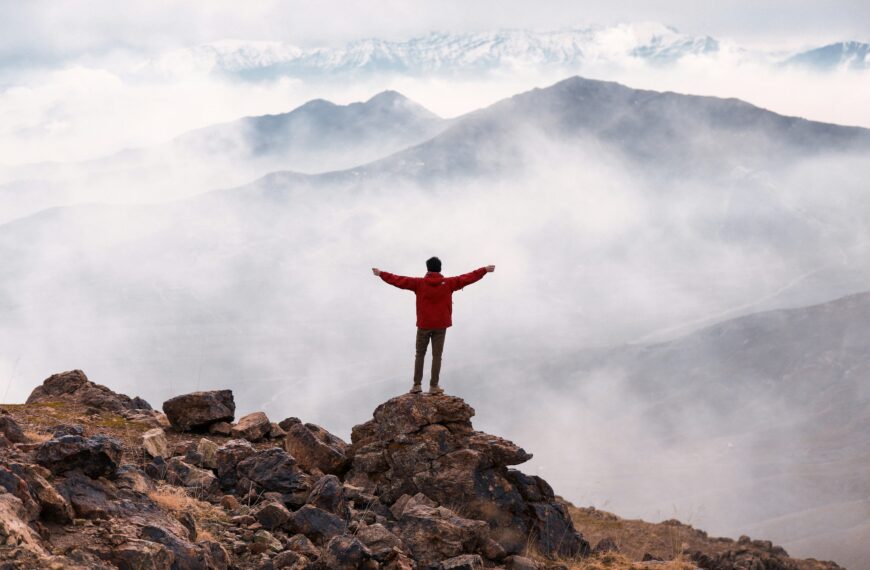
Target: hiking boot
pixel 435 391
pixel 415 389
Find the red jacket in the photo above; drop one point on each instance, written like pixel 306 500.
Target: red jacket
pixel 434 294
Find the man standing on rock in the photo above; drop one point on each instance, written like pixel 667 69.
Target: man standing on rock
pixel 434 309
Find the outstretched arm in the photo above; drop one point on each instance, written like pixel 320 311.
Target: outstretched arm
pixel 461 281
pixel 399 281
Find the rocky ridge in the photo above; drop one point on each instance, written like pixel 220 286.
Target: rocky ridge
pixel 94 479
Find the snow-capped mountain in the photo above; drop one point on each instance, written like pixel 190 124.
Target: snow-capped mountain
pixel 841 55
pixel 441 52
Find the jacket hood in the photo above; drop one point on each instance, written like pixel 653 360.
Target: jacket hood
pixel 433 278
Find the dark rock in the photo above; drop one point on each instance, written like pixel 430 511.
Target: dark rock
pixel 90 498
pixel 253 427
pixel 271 515
pixel 555 532
pixel 95 456
pixel 275 431
pixel 227 459
pixel 193 478
pixel 142 555
pixel 289 559
pixel 432 534
pixel 287 422
pixel 18 487
pixel 11 430
pixel 270 470
pixel 315 448
pixel 189 523
pixel 316 524
pixel 301 544
pixel 344 553
pixel 134 479
pixel 463 562
pixel 53 506
pixel 328 494
pixel 381 542
pixel 156 468
pixel 198 410
pixel 188 556
pixel 73 386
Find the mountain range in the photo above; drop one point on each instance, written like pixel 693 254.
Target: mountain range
pixel 458 54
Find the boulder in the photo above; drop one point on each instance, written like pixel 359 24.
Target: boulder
pixel 408 413
pixel 90 498
pixel 301 544
pixel 328 494
pixel 154 443
pixel 253 427
pixel 271 515
pixel 52 505
pixel 221 428
pixel 138 554
pixel 73 386
pixel 198 410
pixel 271 470
pixel 316 524
pixel 95 456
pixel 275 431
pixel 315 448
pixel 432 534
pixel 10 429
pixel 227 459
pixel 344 553
pixel 192 478
pixel 14 530
pixel 381 542
pixel 207 451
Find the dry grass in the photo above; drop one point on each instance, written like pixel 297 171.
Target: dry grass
pixel 37 436
pixel 177 500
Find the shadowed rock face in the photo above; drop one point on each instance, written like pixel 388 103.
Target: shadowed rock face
pixel 426 444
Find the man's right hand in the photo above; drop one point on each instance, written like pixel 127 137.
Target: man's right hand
pixel 490 268
pixel 376 271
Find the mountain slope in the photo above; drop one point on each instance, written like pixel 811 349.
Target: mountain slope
pixel 841 55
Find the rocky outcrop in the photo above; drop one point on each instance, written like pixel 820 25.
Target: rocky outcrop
pixel 314 447
pixel 73 386
pixel 199 410
pixel 154 442
pixel 426 444
pixel 253 427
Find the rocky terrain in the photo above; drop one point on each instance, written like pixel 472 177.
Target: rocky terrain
pixel 94 479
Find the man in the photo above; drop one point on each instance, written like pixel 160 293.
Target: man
pixel 434 309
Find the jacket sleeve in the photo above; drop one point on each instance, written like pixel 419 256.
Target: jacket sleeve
pixel 409 283
pixel 460 281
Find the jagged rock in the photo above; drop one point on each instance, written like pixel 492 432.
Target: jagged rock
pixel 301 544
pixel 381 542
pixel 316 524
pixel 142 555
pixel 416 444
pixel 463 562
pixel 74 386
pixel 95 456
pixel 606 544
pixel 437 533
pixel 221 428
pixel 290 560
pixel 53 506
pixel 132 478
pixel 407 501
pixel 14 530
pixel 10 429
pixel 228 457
pixel 18 487
pixel 271 515
pixel 264 540
pixel 201 480
pixel 198 410
pixel 271 470
pixel 154 443
pixel 315 448
pixel 188 556
pixel 344 553
pixel 275 431
pixel 90 498
pixel 252 427
pixel 287 422
pixel 207 451
pixel 328 494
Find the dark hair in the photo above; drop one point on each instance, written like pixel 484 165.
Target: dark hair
pixel 433 264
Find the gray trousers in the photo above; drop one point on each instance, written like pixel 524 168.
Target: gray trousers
pixel 423 336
